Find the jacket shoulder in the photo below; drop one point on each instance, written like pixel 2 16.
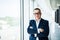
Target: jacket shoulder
pixel 44 20
pixel 32 20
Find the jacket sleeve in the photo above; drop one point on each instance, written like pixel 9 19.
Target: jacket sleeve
pixel 46 29
pixel 29 30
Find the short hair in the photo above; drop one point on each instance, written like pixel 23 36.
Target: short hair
pixel 38 9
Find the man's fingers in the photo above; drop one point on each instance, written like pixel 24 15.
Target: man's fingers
pixel 41 30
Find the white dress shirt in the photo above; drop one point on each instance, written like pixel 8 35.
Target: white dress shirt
pixel 37 24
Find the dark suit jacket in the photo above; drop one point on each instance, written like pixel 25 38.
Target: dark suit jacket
pixel 42 24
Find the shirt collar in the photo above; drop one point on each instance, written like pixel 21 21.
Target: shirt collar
pixel 38 20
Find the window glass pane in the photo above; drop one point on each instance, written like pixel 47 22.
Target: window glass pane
pixel 10 19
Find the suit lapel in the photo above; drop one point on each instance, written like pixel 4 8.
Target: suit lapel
pixel 39 25
pixel 35 23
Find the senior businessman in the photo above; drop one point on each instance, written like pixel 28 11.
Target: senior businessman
pixel 38 27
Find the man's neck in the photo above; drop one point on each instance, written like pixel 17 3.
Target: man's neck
pixel 38 19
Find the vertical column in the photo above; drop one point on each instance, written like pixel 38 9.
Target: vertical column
pixel 21 19
pixel 26 18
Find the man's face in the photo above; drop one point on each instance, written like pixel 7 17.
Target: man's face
pixel 37 14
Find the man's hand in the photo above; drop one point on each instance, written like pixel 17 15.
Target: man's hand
pixel 41 30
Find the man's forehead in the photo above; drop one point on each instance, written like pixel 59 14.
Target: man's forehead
pixel 36 11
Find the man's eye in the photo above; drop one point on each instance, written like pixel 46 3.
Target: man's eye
pixel 36 13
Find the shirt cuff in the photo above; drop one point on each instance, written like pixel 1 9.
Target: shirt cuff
pixel 38 30
pixel 35 35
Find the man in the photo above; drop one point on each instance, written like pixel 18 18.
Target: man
pixel 38 27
